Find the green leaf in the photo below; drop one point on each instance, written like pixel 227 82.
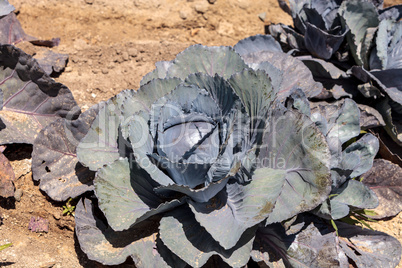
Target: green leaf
pixel 334 226
pixel 5 246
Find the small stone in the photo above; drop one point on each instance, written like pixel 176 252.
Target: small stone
pixel 57 215
pixel 89 2
pixel 68 69
pixel 47 264
pixel 201 7
pixel 95 71
pixel 133 52
pixel 183 15
pixel 118 59
pixel 262 16
pixel 125 56
pixel 38 225
pixel 93 95
pixel 18 194
pixel 80 44
pixel 243 4
pixel 225 29
pixel 211 1
pixel 105 71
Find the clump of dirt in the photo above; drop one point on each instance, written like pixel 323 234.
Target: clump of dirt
pixel 111 45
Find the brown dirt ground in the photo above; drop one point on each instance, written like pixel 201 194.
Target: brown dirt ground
pixel 111 45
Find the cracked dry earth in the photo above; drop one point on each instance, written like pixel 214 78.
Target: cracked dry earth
pixel 111 44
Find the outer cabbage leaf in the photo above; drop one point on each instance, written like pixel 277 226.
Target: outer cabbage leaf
pixel 186 238
pixel 392 119
pixel 317 245
pixel 387 53
pixel 391 82
pixel 384 178
pixel 54 157
pixel 361 17
pixel 11 32
pixel 317 26
pixel 287 37
pixel 339 122
pixel 160 71
pixel 238 207
pixel 351 194
pixel 51 62
pixel 101 144
pixel 366 149
pixel 369 248
pixel 320 43
pixel 370 117
pixel 5 8
pixel 109 247
pixel 219 89
pixel 387 83
pixel 31 99
pixel 337 82
pixel 126 195
pixel 295 164
pixel 257 43
pixel 313 246
pixel 392 12
pixel 223 61
pixel 288 66
pixel 142 145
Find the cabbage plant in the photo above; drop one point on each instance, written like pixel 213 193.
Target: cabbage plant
pixel 308 240
pixel 190 164
pixel 317 27
pixel 353 48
